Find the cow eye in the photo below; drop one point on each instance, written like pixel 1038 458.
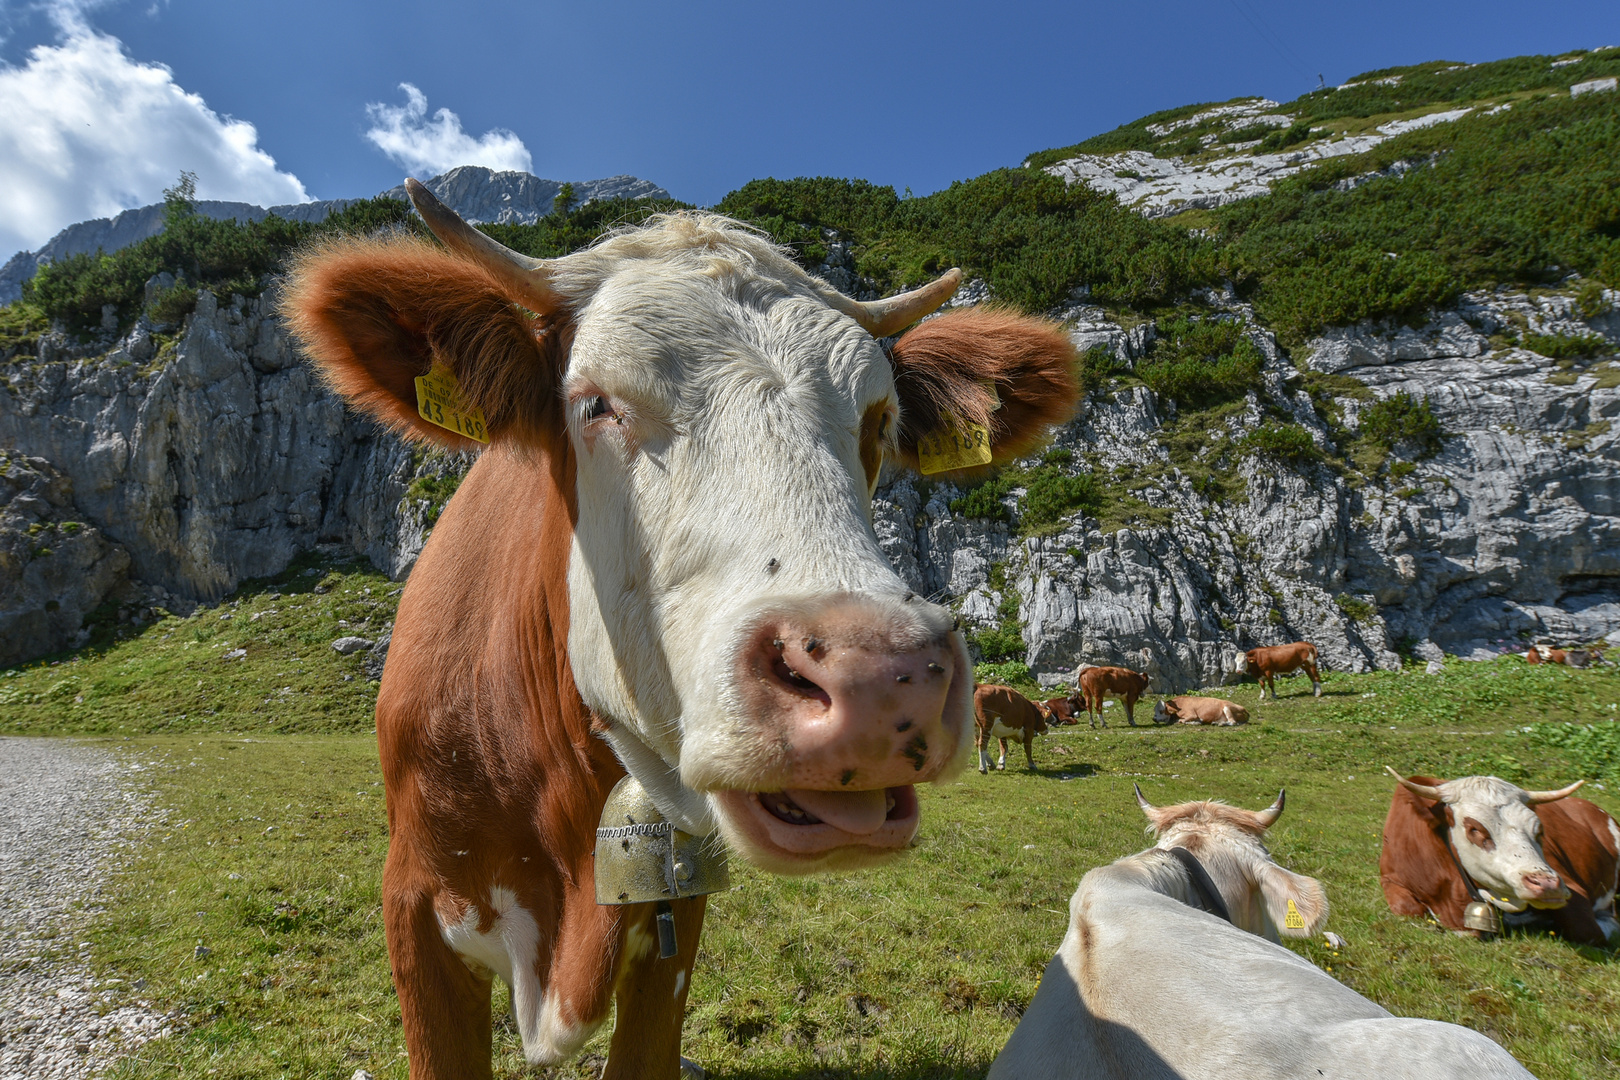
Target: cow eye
pixel 884 426
pixel 598 407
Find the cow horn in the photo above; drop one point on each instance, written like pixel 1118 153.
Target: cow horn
pixel 528 279
pixel 881 318
pixel 1531 798
pixel 1425 790
pixel 1268 817
pixel 1141 800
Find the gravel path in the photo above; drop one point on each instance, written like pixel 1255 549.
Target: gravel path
pixel 68 814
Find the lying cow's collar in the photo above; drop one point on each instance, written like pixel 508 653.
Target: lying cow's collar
pixel 1205 896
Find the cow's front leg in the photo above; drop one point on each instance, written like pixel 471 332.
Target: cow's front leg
pixel 651 995
pixel 1029 749
pixel 1316 679
pixel 1001 765
pixel 983 739
pixel 1130 711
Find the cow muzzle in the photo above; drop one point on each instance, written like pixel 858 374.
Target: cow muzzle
pixel 844 706
pixel 1543 890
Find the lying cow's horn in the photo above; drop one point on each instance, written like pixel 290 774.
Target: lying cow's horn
pixel 1534 797
pixel 881 318
pixel 528 279
pixel 1425 790
pixel 1141 800
pixel 1268 817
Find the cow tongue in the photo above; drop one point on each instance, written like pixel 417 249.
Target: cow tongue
pixel 858 812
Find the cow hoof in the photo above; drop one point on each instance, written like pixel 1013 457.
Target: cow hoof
pixel 691 1070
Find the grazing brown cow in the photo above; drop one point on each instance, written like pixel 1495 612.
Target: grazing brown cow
pixel 1266 663
pixel 1097 683
pixel 1449 843
pixel 663 563
pixel 1200 710
pixel 1575 658
pixel 1002 713
pixel 1061 710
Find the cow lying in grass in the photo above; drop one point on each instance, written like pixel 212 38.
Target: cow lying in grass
pixel 1002 713
pixel 1575 658
pixel 1061 710
pixel 1217 712
pixel 1153 983
pixel 1096 683
pixel 1520 850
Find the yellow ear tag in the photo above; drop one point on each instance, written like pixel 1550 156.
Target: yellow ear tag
pixel 438 401
pixel 1293 920
pixel 959 447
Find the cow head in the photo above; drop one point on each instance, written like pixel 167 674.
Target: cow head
pixel 1497 837
pixel 1166 712
pixel 721 418
pixel 1227 841
pixel 1251 666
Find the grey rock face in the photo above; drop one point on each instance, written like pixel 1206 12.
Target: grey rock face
pixel 219 457
pixel 54 570
pixel 1511 529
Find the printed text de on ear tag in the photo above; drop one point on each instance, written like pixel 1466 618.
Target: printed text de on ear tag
pixel 1293 920
pixel 959 447
pixel 438 401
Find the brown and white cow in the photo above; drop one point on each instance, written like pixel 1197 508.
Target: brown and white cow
pixel 1152 983
pixel 1575 658
pixel 1520 849
pixel 1061 710
pixel 1187 709
pixel 1266 663
pixel 663 562
pixel 1002 713
pixel 1096 683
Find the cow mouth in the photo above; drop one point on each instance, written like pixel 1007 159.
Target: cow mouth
pixel 800 822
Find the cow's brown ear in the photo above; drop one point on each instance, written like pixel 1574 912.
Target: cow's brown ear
pixel 1013 374
pixel 376 313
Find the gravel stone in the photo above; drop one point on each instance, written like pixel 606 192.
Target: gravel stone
pixel 68 816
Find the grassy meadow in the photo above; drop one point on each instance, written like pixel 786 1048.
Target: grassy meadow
pixel 254 913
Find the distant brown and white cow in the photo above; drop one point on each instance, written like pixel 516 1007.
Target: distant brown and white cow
pixel 1002 713
pixel 1152 983
pixel 1061 710
pixel 1096 683
pixel 663 562
pixel 1266 663
pixel 1520 850
pixel 1187 709
pixel 1575 658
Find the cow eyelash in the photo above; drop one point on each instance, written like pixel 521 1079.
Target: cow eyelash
pixel 597 408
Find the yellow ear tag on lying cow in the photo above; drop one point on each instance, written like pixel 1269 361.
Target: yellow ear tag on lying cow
pixel 1293 920
pixel 438 401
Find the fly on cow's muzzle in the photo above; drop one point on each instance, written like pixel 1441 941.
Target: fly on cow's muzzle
pixel 641 857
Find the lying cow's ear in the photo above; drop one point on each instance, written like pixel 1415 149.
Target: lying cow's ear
pixel 1282 888
pixel 375 314
pixel 1015 375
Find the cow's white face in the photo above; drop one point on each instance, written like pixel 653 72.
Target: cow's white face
pixel 1165 713
pixel 727 432
pixel 722 417
pixel 1497 837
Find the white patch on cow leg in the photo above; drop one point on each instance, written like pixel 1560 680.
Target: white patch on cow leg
pixel 680 982
pixel 1001 764
pixel 1316 687
pixel 511 949
pixel 984 759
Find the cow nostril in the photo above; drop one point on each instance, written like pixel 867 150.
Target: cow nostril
pixel 798 683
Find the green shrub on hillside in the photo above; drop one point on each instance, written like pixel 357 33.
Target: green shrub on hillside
pixel 1403 418
pixel 1567 346
pixel 1201 362
pixel 1100 366
pixel 226 256
pixel 1286 442
pixel 1051 495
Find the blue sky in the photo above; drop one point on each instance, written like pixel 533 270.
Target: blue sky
pixel 269 101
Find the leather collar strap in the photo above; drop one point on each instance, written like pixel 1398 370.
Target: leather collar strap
pixel 1204 891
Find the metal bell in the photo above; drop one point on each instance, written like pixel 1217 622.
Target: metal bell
pixel 1482 917
pixel 641 856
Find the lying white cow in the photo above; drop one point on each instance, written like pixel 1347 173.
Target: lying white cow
pixel 1149 984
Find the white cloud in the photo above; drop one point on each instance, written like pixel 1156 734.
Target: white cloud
pixel 85 131
pixel 429 147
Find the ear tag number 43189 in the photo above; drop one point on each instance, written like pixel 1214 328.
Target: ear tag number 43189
pixel 957 446
pixel 438 401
